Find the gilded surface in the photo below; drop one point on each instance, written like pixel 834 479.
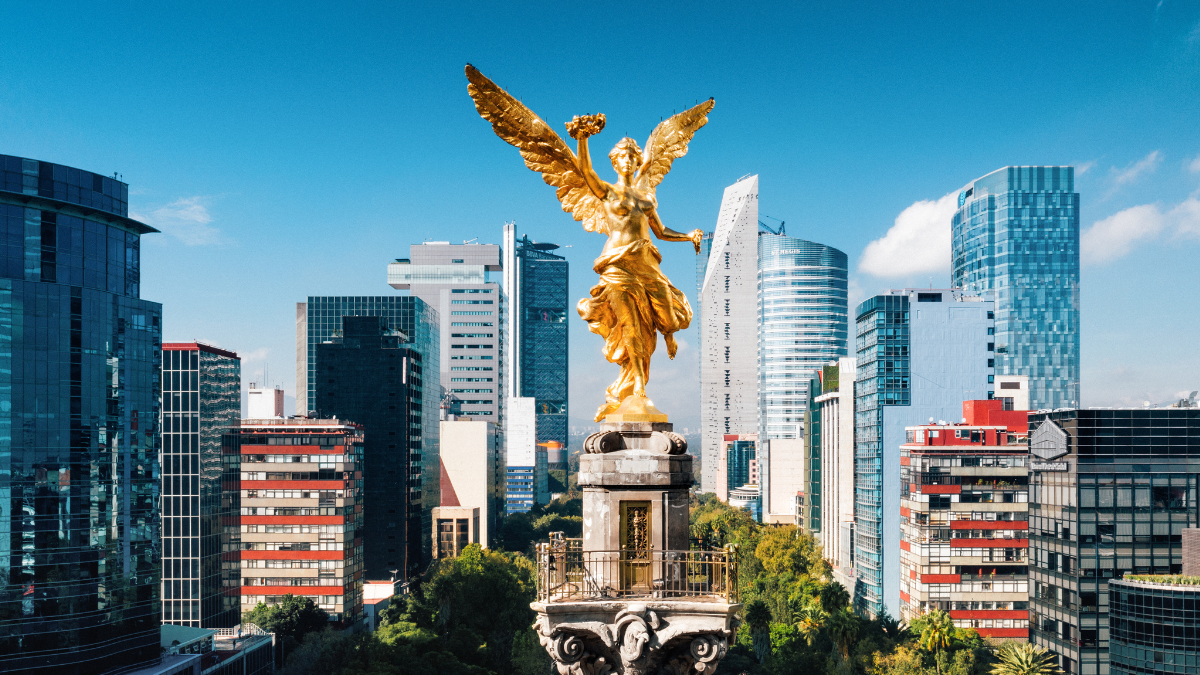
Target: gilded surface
pixel 633 301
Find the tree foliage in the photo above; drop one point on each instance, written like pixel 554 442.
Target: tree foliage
pixel 1024 659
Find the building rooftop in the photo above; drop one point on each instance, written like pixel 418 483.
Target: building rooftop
pixel 1163 579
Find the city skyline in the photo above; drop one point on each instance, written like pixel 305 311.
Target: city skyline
pixel 216 166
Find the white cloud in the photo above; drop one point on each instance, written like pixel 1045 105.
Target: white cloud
pixel 185 219
pixel 918 243
pixel 1110 238
pixel 1135 170
pixel 1083 167
pixel 1186 217
pixel 1194 164
pixel 1113 237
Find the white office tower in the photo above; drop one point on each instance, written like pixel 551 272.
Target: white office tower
pixel 263 403
pixel 837 467
pixel 729 328
pixel 472 481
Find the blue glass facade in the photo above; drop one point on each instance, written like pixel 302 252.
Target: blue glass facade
pixel 802 288
pixel 79 426
pixel 882 352
pixel 319 321
pixel 1016 232
pixel 920 354
pixel 543 336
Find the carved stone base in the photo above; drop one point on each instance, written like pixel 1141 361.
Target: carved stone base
pixel 675 637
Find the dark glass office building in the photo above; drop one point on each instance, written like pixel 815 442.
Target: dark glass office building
pixel 539 311
pixel 79 414
pixel 1110 494
pixel 370 376
pixel 319 321
pixel 201 417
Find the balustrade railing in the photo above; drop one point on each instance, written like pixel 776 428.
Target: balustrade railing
pixel 566 573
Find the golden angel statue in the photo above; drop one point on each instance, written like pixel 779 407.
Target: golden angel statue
pixel 634 301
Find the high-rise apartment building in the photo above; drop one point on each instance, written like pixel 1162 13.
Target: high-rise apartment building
pixel 535 281
pixel 964 502
pixel 1111 491
pixel 729 328
pixel 837 467
pixel 472 486
pixel 1016 234
pixel 802 288
pixel 456 281
pixel 302 514
pixel 201 411
pixel 372 376
pixel 79 415
pixel 920 354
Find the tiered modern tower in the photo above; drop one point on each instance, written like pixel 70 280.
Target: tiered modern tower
pixel 1016 233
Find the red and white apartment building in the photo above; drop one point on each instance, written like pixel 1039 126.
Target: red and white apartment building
pixel 964 520
pixel 302 513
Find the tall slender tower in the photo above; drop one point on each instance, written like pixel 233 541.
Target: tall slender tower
pixel 1016 233
pixel 729 328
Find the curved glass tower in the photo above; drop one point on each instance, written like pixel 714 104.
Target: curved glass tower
pixel 1016 232
pixel 79 438
pixel 802 326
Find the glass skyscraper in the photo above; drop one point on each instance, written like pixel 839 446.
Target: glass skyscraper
pixel 539 308
pixel 920 353
pixel 201 413
pixel 79 434
pixel 319 321
pixel 369 376
pixel 802 326
pixel 1016 233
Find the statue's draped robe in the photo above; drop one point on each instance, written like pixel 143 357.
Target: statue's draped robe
pixel 632 303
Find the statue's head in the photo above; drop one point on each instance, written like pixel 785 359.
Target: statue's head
pixel 626 156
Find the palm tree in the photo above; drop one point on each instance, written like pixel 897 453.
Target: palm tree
pixel 834 597
pixel 935 637
pixel 1024 659
pixel 758 617
pixel 810 621
pixel 843 630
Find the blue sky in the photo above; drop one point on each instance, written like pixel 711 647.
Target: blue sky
pixel 289 149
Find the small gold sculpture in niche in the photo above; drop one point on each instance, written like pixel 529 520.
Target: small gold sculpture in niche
pixel 634 300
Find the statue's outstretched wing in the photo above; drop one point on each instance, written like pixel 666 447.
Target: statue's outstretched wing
pixel 669 142
pixel 544 151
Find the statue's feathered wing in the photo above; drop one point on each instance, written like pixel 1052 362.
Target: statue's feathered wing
pixel 544 151
pixel 669 142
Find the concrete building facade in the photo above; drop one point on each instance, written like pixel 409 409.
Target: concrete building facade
pixel 302 515
pixel 456 280
pixel 837 467
pixel 473 475
pixel 964 502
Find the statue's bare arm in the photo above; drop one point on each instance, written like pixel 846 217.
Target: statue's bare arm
pixel 667 234
pixel 593 180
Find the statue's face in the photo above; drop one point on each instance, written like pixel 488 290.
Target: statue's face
pixel 625 162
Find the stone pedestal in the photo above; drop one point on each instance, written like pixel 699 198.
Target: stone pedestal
pixel 631 598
